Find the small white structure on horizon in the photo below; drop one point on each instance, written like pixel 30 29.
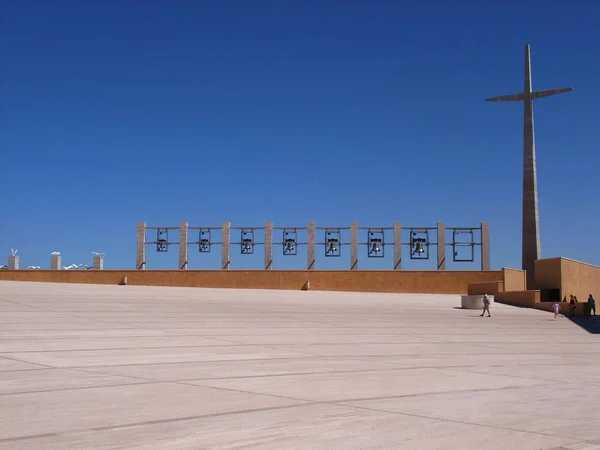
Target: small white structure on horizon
pixel 98 261
pixel 74 267
pixel 13 260
pixel 55 261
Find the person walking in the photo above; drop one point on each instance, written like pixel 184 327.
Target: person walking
pixel 556 309
pixel 592 303
pixel 486 305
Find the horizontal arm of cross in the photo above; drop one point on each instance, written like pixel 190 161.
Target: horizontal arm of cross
pixel 549 92
pixel 507 98
pixel 534 95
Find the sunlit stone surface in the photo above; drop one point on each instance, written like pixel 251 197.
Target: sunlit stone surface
pixel 85 366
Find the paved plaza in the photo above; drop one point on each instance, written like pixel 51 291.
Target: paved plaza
pixel 128 367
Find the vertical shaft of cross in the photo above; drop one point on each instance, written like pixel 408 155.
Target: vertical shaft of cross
pixel 531 229
pixel 531 232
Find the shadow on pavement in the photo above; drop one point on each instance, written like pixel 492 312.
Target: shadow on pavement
pixel 591 324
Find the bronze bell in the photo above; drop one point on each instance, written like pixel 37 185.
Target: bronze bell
pixel 289 245
pixel 332 245
pixel 375 246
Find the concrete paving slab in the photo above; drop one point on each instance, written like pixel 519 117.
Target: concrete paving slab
pixel 34 314
pixel 27 414
pixel 211 370
pixel 577 418
pixel 85 366
pixel 327 339
pixel 10 365
pixel 108 343
pixel 566 348
pixel 309 329
pixel 64 325
pixel 77 334
pixel 313 426
pixel 537 338
pixel 93 357
pixel 485 360
pixel 564 373
pixel 50 380
pixel 335 387
pixel 395 349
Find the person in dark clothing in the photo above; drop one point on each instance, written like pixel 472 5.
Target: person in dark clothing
pixel 592 303
pixel 573 305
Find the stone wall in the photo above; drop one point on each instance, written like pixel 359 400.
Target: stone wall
pixel 435 282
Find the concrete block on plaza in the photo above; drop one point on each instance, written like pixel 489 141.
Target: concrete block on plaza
pixel 474 301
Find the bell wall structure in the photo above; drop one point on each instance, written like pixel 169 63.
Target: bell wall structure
pixel 419 242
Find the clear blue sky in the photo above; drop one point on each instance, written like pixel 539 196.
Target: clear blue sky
pixel 291 111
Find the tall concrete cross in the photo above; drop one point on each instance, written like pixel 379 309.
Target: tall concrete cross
pixel 531 225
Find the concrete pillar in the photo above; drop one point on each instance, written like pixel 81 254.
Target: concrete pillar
pixel 353 246
pixel 225 244
pixel 531 250
pixel 485 246
pixel 183 246
pixel 140 249
pixel 310 247
pixel 397 246
pixel 55 262
pixel 441 246
pixel 98 263
pixel 269 246
pixel 13 262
